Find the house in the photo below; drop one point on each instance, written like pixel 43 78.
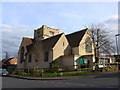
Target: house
pixel 10 63
pixel 50 45
pixel 108 58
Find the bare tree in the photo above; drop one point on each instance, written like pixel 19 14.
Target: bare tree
pixel 101 39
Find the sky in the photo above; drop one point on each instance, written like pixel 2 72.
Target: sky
pixel 19 19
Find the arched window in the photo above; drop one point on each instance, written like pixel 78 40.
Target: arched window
pixel 88 45
pixel 22 54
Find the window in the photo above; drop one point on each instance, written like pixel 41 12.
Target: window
pixel 36 60
pixel 22 54
pixel 38 32
pixel 63 44
pixel 30 58
pixel 88 45
pixel 46 55
pixel 51 33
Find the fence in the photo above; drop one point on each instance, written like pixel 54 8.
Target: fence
pixel 76 68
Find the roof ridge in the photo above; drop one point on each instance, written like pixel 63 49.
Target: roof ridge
pixel 50 42
pixel 77 31
pixel 53 36
pixel 27 38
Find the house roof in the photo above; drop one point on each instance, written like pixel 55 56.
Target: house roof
pixel 10 59
pixel 28 42
pixel 75 38
pixel 50 42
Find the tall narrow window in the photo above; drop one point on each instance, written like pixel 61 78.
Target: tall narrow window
pixel 30 58
pixel 46 55
pixel 22 55
pixel 88 45
pixel 63 44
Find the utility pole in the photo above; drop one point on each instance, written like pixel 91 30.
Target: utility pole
pixel 118 56
pixel 6 55
pixel 117 44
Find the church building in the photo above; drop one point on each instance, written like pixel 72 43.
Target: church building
pixel 49 45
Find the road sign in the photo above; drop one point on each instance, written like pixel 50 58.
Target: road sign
pixel 82 61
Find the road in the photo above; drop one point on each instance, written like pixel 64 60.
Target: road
pixel 109 80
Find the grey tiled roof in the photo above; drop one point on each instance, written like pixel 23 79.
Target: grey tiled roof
pixel 75 38
pixel 46 44
pixel 50 42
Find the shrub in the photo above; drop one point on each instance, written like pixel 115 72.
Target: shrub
pixel 54 67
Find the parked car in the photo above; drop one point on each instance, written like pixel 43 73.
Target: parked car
pixel 4 72
pixel 100 66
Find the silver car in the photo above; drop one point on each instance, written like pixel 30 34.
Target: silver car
pixel 4 72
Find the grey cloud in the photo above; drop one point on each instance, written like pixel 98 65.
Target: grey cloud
pixel 112 20
pixel 12 36
pixel 112 23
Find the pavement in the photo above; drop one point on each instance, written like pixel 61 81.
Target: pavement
pixel 95 75
pixel 37 78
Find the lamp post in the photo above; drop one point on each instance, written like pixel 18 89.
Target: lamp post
pixel 118 56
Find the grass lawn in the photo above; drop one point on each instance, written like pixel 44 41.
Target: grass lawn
pixel 57 74
pixel 65 74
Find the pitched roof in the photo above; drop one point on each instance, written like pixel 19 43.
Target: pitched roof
pixel 50 42
pixel 27 41
pixel 9 59
pixel 47 44
pixel 75 38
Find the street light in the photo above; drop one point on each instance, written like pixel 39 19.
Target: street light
pixel 117 43
pixel 118 56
